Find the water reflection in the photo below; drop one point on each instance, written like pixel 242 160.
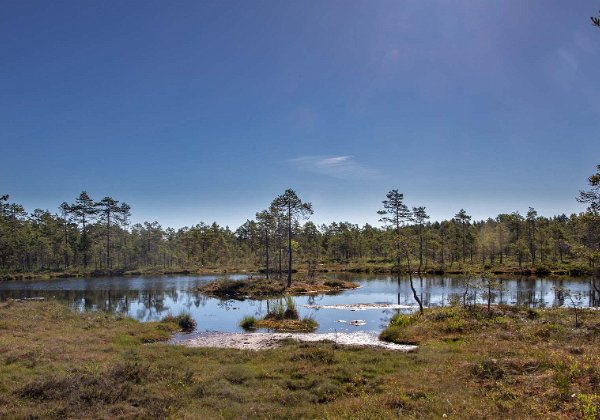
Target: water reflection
pixel 151 298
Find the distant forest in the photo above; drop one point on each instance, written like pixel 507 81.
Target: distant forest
pixel 97 235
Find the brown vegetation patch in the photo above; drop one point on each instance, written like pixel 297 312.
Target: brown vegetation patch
pixel 288 325
pixel 260 288
pixel 512 363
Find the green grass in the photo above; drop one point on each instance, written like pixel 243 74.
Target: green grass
pixel 55 363
pixel 248 323
pixel 282 317
pixel 184 320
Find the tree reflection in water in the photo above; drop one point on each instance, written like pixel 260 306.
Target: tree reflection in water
pixel 151 298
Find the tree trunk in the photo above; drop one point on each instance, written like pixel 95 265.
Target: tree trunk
pixel 420 248
pixel 415 295
pixel 289 276
pixel 412 286
pixel 267 249
pixel 108 261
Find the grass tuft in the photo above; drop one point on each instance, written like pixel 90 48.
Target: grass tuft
pixel 248 323
pixel 184 320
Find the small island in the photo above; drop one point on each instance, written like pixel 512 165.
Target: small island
pixel 261 287
pixel 282 317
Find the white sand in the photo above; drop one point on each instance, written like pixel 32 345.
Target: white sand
pixel 261 341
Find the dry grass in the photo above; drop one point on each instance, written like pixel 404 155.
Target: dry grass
pixel 288 325
pixel 520 360
pixel 55 363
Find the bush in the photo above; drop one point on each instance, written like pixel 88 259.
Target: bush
pixel 184 320
pixel 310 324
pixel 397 335
pixel 401 320
pixel 334 284
pixel 578 271
pixel 488 369
pixel 248 323
pixel 542 270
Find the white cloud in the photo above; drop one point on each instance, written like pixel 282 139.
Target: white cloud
pixel 341 167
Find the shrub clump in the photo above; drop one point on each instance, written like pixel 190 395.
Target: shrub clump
pixel 248 323
pixel 396 332
pixel 488 369
pixel 283 310
pixel 184 320
pixel 282 316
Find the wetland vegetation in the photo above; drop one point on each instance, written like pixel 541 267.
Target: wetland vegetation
pixel 514 362
pixel 282 316
pixel 445 270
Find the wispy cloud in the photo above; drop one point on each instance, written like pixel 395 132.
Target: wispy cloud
pixel 341 167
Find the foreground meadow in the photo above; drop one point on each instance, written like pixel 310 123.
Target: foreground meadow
pixel 512 362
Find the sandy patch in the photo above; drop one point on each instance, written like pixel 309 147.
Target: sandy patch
pixel 261 341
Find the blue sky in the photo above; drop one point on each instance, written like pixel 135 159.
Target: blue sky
pixel 200 111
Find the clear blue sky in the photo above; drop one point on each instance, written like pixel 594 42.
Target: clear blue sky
pixel 206 110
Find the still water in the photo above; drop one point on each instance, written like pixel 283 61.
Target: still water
pixel 151 298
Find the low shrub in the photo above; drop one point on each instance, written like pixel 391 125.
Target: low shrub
pixel 334 284
pixel 248 323
pixel 397 335
pixel 401 320
pixel 184 320
pixel 488 369
pixel 542 270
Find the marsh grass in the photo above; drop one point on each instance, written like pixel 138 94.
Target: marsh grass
pixel 283 316
pixel 55 363
pixel 283 309
pixel 248 323
pixel 184 320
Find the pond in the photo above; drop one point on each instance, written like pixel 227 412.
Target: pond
pixel 151 298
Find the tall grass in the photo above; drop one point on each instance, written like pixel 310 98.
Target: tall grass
pixel 248 323
pixel 283 309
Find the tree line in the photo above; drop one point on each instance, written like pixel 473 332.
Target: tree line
pixel 93 234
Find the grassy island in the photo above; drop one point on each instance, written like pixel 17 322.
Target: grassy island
pixel 282 317
pixel 257 288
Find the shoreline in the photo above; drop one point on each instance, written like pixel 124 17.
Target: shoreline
pixel 508 272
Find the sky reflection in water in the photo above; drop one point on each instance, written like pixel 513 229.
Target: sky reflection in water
pixel 151 298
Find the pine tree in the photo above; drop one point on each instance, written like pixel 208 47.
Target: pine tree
pixel 290 205
pixel 110 213
pixel 395 213
pixel 266 221
pixel 84 211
